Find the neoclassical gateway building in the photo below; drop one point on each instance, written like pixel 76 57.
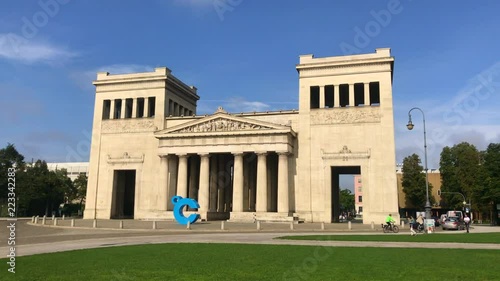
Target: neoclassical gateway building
pixel 149 144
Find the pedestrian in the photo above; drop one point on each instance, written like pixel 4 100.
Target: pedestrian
pixel 420 219
pixel 467 222
pixel 411 221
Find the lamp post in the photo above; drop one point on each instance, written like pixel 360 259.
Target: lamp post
pixel 410 127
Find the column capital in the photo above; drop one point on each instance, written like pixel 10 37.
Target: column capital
pixel 164 155
pixel 261 152
pixel 283 153
pixel 205 154
pixel 238 153
pixel 182 155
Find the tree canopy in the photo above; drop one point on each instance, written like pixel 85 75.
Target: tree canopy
pixel 461 172
pixel 347 200
pixel 413 182
pixel 38 190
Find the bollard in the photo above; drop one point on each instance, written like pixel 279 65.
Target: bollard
pixel 33 219
pixel 349 225
pixel 55 221
pixel 36 220
pixel 63 217
pixel 189 225
pixel 291 225
pixel 72 222
pixel 402 224
pixel 322 225
pixel 43 220
pixel 121 225
pixel 222 225
pixel 373 225
pixel 53 217
pixel 258 225
pixel 154 224
pixel 94 225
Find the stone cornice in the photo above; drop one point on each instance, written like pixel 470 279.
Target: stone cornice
pixel 355 68
pixel 345 63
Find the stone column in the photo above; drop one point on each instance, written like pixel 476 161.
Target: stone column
pixel 146 108
pixel 112 110
pixel 321 96
pixel 351 95
pixel 283 188
pixel 213 183
pixel 367 93
pixel 336 96
pixel 182 187
pixel 204 192
pixel 134 108
pixel 163 184
pixel 238 183
pixel 261 203
pixel 172 181
pixel 122 113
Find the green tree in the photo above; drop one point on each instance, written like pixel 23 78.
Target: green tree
pixel 9 158
pixel 461 170
pixel 347 200
pixel 43 190
pixel 491 195
pixel 413 182
pixel 80 188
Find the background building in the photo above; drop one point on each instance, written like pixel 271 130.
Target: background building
pixel 358 195
pixel 73 168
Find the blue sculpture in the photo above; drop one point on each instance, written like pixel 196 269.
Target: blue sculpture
pixel 179 204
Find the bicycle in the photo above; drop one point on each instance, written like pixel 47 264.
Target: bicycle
pixel 390 228
pixel 417 228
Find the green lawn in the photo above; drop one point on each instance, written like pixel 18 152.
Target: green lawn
pixel 459 237
pixel 257 262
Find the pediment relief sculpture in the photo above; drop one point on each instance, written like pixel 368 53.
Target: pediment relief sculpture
pixel 221 125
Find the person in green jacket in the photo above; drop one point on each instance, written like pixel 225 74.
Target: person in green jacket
pixel 389 220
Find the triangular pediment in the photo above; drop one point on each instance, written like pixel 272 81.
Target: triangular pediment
pixel 222 122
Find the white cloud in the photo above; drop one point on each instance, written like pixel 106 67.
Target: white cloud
pixel 17 48
pixel 471 115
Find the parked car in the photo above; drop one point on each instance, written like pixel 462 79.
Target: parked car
pixel 453 223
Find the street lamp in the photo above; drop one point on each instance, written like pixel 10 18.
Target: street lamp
pixel 410 127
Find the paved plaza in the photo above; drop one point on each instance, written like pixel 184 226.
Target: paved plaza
pixel 36 239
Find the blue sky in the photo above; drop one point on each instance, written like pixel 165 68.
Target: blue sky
pixel 241 54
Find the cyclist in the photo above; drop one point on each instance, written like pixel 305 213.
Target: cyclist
pixel 389 220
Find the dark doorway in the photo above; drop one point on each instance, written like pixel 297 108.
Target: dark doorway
pixel 336 172
pixel 123 194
